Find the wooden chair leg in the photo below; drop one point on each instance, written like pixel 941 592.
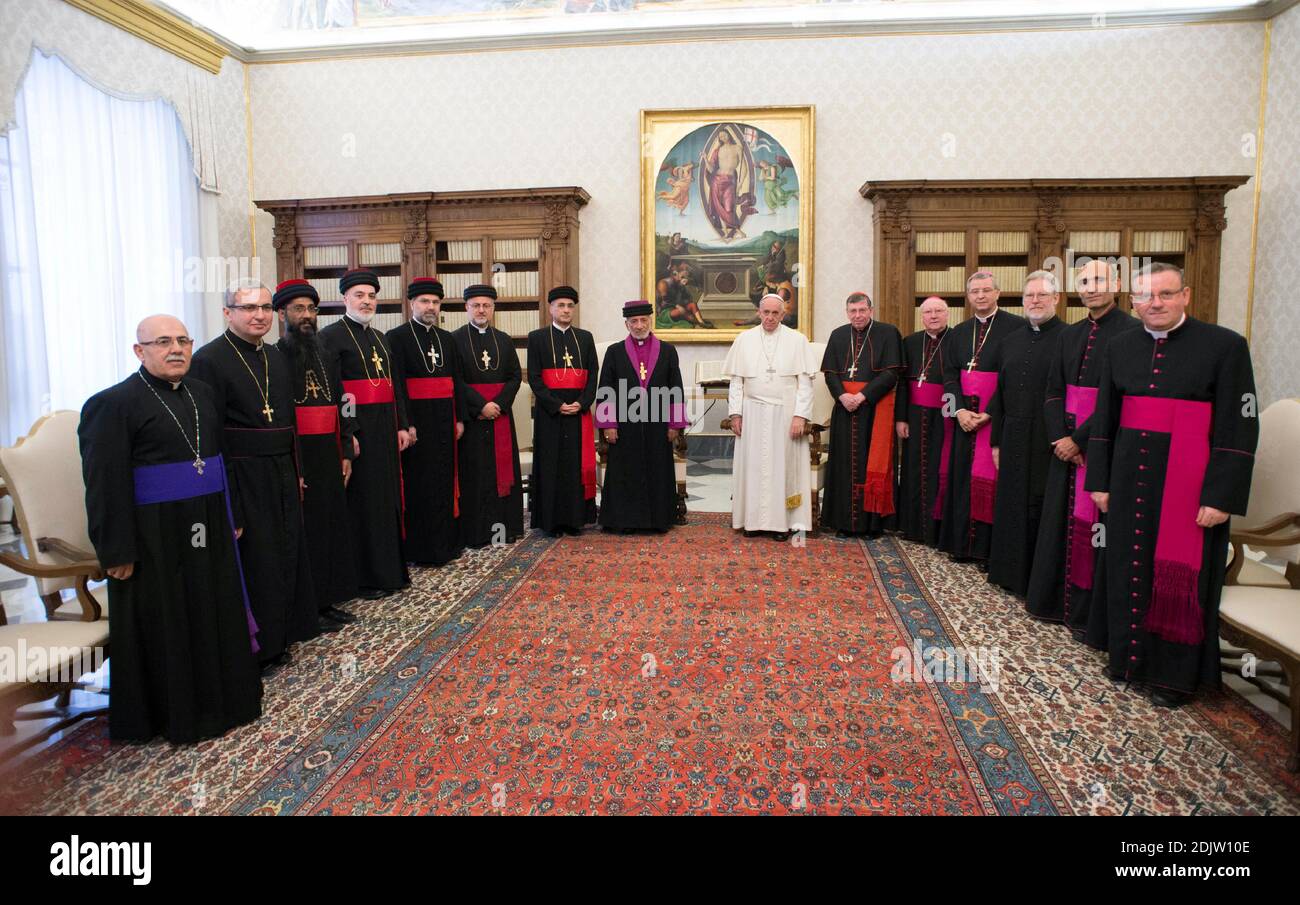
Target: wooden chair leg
pixel 52 602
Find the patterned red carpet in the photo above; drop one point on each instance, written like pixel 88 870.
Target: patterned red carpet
pixel 698 672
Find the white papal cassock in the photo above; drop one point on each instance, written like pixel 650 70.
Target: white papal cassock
pixel 771 383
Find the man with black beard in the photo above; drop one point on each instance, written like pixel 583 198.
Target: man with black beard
pixel 325 449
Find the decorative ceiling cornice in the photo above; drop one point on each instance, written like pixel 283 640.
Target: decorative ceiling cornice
pixel 161 28
pixel 885 189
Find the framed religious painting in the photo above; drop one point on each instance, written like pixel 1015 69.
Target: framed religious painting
pixel 726 218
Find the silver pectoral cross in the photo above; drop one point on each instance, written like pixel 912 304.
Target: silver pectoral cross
pixel 433 356
pixel 853 369
pixel 198 464
pixel 487 359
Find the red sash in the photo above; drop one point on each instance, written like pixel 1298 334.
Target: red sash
pixel 504 454
pixel 1081 402
pixel 317 419
pixel 366 393
pixel 441 388
pixel 983 473
pixel 576 379
pixel 1175 611
pixel 930 396
pixel 878 489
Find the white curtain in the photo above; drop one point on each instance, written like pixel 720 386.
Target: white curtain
pixel 99 228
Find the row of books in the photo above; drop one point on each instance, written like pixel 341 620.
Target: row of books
pixel 1009 279
pixel 1004 243
pixel 1159 240
pixel 465 250
pixel 513 249
pixel 1095 242
pixel 515 283
pixel 325 256
pixel 953 279
pixel 940 243
pixel 379 254
pixel 455 284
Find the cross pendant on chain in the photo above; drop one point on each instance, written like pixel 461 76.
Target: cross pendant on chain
pixel 267 411
pixel 433 356
pixel 377 362
pixel 487 359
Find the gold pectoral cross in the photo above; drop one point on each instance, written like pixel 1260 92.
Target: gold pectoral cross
pixel 312 386
pixel 433 356
pixel 267 411
pixel 487 359
pixel 568 359
pixel 377 362
pixel 644 375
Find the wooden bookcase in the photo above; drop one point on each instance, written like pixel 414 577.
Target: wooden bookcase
pixel 930 236
pixel 522 241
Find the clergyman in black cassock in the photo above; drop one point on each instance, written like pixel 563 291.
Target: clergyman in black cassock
pixel 254 397
pixel 324 449
pixel 925 435
pixel 1170 457
pixel 1064 573
pixel 970 375
pixel 1019 434
pixel 640 411
pixel 425 361
pixel 377 402
pixel 861 363
pixel 182 641
pixel 492 509
pixel 562 372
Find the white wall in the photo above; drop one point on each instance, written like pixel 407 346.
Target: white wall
pixel 1275 333
pixel 1108 102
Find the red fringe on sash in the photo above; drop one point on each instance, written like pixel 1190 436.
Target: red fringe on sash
pixel 1081 554
pixel 982 491
pixel 878 491
pixel 1175 612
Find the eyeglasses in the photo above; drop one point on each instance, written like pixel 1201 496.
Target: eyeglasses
pixel 303 309
pixel 1039 296
pixel 252 309
pixel 165 342
pixel 1166 296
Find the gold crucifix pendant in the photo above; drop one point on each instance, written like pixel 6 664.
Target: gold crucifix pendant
pixel 268 411
pixel 643 373
pixel 568 359
pixel 312 386
pixel 377 362
pixel 487 359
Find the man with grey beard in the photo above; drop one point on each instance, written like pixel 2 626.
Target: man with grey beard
pixel 375 489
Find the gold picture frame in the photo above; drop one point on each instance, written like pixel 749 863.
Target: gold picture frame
pixel 726 216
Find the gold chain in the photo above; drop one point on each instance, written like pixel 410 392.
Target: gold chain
pixel 555 361
pixel 496 347
pixel 329 397
pixel 436 338
pixel 362 355
pixel 266 367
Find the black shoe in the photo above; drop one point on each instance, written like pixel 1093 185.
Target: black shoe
pixel 555 532
pixel 326 626
pixel 334 614
pixel 780 536
pixel 749 533
pixel 573 532
pixel 843 534
pixel 373 593
pixel 1166 697
pixel 275 664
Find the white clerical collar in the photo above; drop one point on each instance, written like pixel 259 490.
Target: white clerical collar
pixel 564 329
pixel 1038 327
pixel 1164 334
pixel 985 320
pixel 481 330
pixel 176 384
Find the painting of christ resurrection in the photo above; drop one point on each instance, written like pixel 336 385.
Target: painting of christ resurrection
pixel 726 218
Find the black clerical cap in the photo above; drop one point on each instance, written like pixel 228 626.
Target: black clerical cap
pixel 358 277
pixel 289 290
pixel 480 290
pixel 562 292
pixel 637 307
pixel 424 286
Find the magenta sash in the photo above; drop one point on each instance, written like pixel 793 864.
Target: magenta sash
pixel 983 474
pixel 1081 402
pixel 1175 611
pixel 930 396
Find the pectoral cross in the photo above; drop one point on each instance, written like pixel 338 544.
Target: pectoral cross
pixel 853 369
pixel 568 359
pixel 970 365
pixel 644 375
pixel 377 362
pixel 198 464
pixel 921 380
pixel 433 356
pixel 487 359
pixel 312 386
pixel 268 411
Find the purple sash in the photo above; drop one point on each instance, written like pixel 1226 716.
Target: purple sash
pixel 983 474
pixel 930 396
pixel 1080 402
pixel 177 481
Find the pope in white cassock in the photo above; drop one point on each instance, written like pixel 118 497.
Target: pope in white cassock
pixel 769 402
